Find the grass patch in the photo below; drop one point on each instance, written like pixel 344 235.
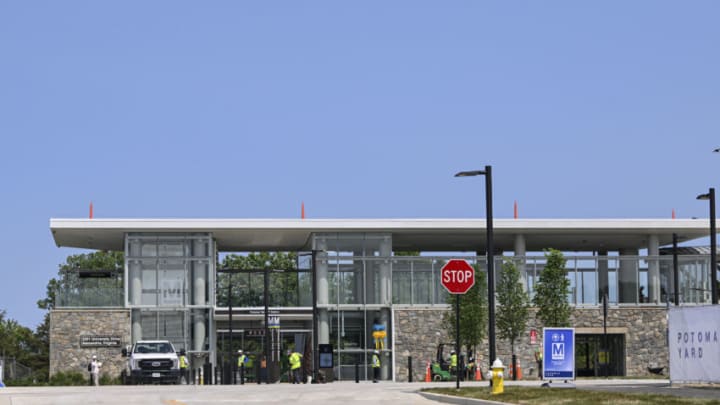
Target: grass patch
pixel 569 396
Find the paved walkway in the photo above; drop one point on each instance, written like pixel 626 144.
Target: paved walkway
pixel 344 393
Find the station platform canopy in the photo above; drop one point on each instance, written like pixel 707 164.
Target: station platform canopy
pixel 437 235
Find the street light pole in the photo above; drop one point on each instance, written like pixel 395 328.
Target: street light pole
pixel 489 253
pixel 713 244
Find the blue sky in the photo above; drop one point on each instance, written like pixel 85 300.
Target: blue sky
pixel 360 109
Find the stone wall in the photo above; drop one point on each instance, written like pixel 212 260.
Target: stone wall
pixel 68 325
pixel 419 330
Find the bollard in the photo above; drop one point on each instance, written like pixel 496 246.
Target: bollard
pixel 357 373
pixel 234 373
pixel 193 376
pixel 207 373
pixel 200 373
pixel 410 373
pixel 242 374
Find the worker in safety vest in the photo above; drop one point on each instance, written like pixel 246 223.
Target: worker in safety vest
pixel 184 367
pixel 470 369
pixel 376 365
pixel 295 360
pixel 453 362
pixel 242 359
pixel 242 363
pixel 539 359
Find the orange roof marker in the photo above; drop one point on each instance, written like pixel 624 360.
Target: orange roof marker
pixel 302 210
pixel 515 210
pixel 91 210
pixel 673 213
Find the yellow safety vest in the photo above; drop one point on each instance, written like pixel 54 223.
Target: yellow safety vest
pixel 294 361
pixel 453 360
pixel 375 361
pixel 241 360
pixel 183 362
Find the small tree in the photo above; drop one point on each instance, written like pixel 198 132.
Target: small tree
pixel 512 312
pixel 473 313
pixel 551 292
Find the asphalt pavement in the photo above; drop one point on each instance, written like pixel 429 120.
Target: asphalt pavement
pixel 345 393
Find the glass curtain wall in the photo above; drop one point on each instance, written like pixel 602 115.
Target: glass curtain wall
pixel 628 280
pixel 357 271
pixel 170 288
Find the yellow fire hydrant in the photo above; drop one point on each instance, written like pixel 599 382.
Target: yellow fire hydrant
pixel 497 375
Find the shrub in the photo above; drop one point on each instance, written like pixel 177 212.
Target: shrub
pixel 69 378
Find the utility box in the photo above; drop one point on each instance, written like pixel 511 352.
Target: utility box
pixel 325 354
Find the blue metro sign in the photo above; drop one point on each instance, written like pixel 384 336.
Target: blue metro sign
pixel 558 353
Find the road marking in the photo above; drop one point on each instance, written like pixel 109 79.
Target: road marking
pixel 173 402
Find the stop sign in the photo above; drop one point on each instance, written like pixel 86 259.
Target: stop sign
pixel 457 276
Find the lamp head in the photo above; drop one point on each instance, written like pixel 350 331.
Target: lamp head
pixel 470 173
pixel 705 196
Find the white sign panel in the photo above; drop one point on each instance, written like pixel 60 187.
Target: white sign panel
pixel 694 335
pixel 171 288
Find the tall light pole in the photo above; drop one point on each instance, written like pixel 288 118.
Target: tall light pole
pixel 489 253
pixel 713 244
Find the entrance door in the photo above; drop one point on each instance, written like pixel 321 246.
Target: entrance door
pixel 592 361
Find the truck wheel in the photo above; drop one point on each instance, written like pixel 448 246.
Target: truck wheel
pixel 437 377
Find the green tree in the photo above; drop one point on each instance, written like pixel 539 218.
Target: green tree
pixel 247 287
pixel 21 344
pixel 473 313
pixel 551 292
pixel 513 309
pixel 68 281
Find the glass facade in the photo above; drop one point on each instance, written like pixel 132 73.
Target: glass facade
pixel 169 288
pixel 291 288
pixel 93 289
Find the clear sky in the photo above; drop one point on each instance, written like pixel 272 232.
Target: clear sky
pixel 361 109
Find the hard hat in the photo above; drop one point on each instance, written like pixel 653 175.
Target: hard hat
pixel 94 357
pixel 240 351
pixel 452 351
pixel 375 351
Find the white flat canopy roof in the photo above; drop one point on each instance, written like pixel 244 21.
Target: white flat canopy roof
pixel 408 234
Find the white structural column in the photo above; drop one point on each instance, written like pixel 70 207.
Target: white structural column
pixel 321 267
pixel 520 253
pixel 385 299
pixel 602 274
pixel 135 298
pixel 370 268
pixel 653 269
pixel 199 274
pixel 385 272
pixel 628 277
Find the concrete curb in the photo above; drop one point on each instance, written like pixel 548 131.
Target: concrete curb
pixel 449 399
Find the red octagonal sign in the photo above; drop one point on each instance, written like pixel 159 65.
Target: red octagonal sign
pixel 457 276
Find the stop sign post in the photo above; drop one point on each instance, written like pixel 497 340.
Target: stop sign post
pixel 457 276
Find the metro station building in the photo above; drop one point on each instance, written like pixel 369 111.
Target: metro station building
pixel 169 287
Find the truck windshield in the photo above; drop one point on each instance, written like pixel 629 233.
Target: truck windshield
pixel 160 347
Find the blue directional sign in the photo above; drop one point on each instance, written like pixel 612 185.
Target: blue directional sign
pixel 558 353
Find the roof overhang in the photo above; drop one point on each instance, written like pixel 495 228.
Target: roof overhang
pixel 407 234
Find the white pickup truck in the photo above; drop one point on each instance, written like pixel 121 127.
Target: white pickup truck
pixel 152 361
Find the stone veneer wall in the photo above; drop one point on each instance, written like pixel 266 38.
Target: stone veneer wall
pixel 419 330
pixel 66 327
